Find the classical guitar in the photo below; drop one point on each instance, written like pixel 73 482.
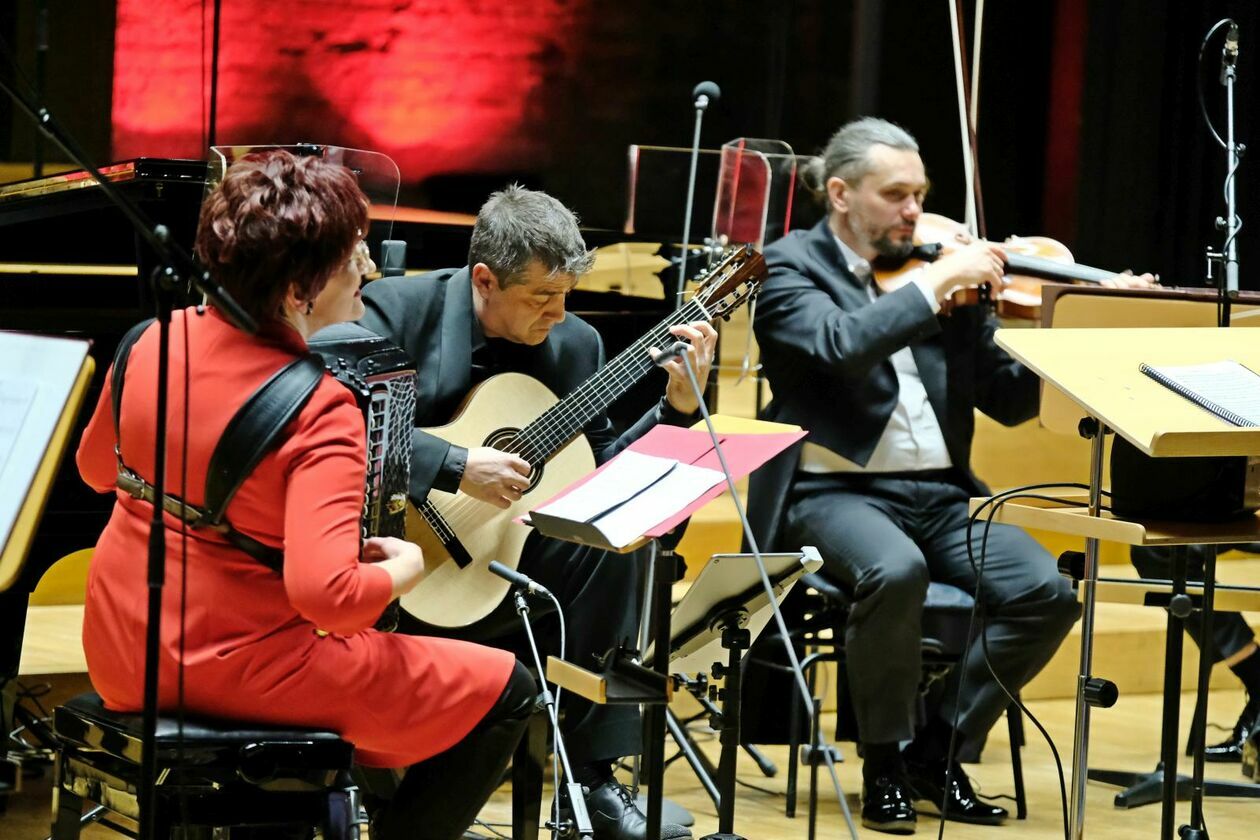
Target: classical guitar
pixel 513 412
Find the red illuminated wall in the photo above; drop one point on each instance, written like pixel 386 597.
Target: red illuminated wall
pixel 438 86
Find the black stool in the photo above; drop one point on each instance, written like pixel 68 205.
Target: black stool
pixel 946 615
pixel 218 774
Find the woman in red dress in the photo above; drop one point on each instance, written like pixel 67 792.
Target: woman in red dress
pixel 283 235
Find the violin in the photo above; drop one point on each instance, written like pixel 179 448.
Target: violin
pixel 1031 262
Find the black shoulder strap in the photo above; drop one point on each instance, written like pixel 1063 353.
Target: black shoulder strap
pixel 253 430
pixel 117 377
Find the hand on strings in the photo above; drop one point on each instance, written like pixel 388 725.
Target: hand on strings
pixel 404 561
pixel 494 476
pixel 969 266
pixel 703 340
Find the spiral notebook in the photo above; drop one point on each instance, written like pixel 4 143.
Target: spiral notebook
pixel 1228 389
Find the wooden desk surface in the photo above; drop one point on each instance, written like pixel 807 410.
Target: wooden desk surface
pixel 1098 369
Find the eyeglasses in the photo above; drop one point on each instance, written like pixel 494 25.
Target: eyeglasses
pixel 360 258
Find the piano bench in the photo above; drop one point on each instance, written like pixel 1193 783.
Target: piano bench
pixel 220 773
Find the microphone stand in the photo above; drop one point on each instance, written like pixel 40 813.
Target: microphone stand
pixel 1233 155
pixel 725 827
pixel 577 800
pixel 175 267
pixel 702 97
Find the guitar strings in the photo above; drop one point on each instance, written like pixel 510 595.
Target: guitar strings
pixel 564 420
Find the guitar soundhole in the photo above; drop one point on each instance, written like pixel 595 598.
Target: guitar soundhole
pixel 505 441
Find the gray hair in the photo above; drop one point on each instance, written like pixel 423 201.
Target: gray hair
pixel 847 153
pixel 517 226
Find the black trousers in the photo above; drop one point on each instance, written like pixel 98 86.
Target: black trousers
pixel 599 593
pixel 883 539
pixel 1230 631
pixel 441 796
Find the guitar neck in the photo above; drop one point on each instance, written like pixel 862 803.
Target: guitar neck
pixel 1052 270
pixel 565 420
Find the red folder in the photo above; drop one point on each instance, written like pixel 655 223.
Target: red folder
pixel 744 453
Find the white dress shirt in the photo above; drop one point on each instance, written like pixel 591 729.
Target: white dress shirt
pixel 912 440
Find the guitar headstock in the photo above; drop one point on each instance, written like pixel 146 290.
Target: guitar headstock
pixel 735 279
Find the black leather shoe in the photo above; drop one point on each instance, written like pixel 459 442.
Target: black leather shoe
pixel 886 806
pixel 1231 749
pixel 614 816
pixel 927 782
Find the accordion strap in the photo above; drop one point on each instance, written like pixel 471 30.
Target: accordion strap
pixel 252 432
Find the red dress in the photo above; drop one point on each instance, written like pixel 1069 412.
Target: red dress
pixel 251 650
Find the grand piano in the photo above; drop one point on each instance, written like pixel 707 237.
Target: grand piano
pixel 70 263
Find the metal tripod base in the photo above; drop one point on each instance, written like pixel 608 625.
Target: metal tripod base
pixel 1148 788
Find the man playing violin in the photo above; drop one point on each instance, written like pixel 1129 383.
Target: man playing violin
pixel 887 385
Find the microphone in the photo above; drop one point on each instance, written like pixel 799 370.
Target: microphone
pixel 673 351
pixel 1229 53
pixel 706 93
pixel 519 580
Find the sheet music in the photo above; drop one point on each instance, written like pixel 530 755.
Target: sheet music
pixel 612 486
pixel 678 488
pixel 37 374
pixel 1232 386
pixel 632 494
pixel 16 396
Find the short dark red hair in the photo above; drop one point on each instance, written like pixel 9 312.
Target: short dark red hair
pixel 279 220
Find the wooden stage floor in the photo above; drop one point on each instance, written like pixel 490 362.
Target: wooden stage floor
pixel 1125 737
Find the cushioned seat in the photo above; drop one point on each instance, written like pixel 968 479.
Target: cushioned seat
pixel 216 773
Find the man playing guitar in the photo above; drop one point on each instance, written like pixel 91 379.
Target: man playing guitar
pixel 504 312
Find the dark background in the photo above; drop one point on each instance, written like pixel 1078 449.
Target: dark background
pixel 1089 126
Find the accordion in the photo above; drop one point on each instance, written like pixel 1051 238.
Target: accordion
pixel 383 381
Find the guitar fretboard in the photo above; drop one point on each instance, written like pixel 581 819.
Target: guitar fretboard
pixel 564 421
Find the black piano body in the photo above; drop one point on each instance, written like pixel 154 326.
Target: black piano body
pixel 71 264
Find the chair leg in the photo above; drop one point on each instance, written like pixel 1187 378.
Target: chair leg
pixel 528 765
pixel 794 721
pixel 1015 729
pixel 67 808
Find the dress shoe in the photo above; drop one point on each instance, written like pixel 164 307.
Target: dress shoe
pixel 614 815
pixel 1251 755
pixel 1231 749
pixel 887 806
pixel 927 782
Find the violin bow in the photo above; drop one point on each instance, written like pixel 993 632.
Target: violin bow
pixel 968 111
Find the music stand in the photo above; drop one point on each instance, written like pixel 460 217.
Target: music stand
pixel 1099 370
pixel 724 610
pixel 42 384
pixel 1091 306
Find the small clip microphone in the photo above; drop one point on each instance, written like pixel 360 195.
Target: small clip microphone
pixel 519 580
pixel 1229 52
pixel 673 351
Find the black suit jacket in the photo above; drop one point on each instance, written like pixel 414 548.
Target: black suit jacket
pixel 826 350
pixel 430 317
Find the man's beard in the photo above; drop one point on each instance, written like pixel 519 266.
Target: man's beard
pixel 885 247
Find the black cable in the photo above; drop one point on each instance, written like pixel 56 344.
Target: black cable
pixel 999 499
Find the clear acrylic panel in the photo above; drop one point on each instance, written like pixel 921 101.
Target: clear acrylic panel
pixel 377 173
pixel 744 191
pixel 755 191
pixel 656 194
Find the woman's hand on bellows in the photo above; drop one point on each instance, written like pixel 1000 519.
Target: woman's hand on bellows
pixel 404 561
